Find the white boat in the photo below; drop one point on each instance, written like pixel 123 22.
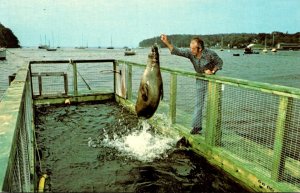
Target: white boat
pixel 265 49
pixel 129 52
pixel 274 50
pixel 2 53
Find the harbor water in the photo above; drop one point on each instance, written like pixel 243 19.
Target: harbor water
pixel 281 68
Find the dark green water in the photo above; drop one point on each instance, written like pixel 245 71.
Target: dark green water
pixel 88 148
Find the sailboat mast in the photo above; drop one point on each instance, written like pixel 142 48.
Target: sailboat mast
pixel 110 40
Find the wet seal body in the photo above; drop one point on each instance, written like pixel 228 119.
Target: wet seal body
pixel 151 87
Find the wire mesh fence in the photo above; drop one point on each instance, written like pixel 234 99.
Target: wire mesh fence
pixel 19 169
pixel 248 120
pixel 248 125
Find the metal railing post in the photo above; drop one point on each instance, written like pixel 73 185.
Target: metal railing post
pixel 173 94
pixel 213 133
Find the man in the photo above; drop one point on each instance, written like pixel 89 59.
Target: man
pixel 204 61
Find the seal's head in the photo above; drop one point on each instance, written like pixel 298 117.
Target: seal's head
pixel 154 55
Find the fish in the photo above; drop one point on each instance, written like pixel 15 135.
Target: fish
pixel 151 86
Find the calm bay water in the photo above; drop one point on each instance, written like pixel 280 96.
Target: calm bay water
pixel 281 68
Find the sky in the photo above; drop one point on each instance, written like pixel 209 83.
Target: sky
pixel 93 23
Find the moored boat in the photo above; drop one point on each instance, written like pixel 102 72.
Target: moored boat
pixel 51 49
pixel 129 52
pixel 274 50
pixel 2 53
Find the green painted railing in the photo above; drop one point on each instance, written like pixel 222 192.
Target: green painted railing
pixel 210 145
pixel 16 136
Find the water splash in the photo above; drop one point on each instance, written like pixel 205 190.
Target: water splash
pixel 142 144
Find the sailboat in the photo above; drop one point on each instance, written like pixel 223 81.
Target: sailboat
pixel 43 46
pixel 49 48
pixel 265 49
pixel 81 47
pixel 2 53
pixel 273 49
pixel 110 47
pixel 221 44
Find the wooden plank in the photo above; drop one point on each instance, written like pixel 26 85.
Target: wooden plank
pixel 66 84
pixel 213 115
pixel 40 85
pixel 173 94
pixel 52 73
pixel 115 76
pixel 75 84
pixel 280 134
pixel 70 61
pixel 73 99
pixel 129 82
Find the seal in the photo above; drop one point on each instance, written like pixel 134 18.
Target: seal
pixel 151 87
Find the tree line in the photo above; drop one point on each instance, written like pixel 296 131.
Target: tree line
pixel 232 40
pixel 7 38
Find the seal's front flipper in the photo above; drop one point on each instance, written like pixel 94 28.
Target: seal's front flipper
pixel 144 91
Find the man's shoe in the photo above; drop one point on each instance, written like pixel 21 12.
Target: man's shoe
pixel 196 130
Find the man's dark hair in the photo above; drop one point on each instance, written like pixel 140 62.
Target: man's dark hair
pixel 199 41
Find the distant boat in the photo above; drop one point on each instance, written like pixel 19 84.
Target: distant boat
pixel 273 40
pixel 51 49
pixel 129 52
pixel 221 44
pixel 274 50
pixel 43 47
pixel 81 47
pixel 248 50
pixel 236 54
pixel 2 53
pixel 110 47
pixel 265 50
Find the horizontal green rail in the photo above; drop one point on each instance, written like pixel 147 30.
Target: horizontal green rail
pixel 264 87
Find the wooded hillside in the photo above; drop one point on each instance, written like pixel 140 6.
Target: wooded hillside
pixel 238 40
pixel 7 38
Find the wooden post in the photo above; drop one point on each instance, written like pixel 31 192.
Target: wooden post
pixel 75 84
pixel 115 75
pixel 282 125
pixel 40 84
pixel 213 133
pixel 129 82
pixel 173 93
pixel 66 83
